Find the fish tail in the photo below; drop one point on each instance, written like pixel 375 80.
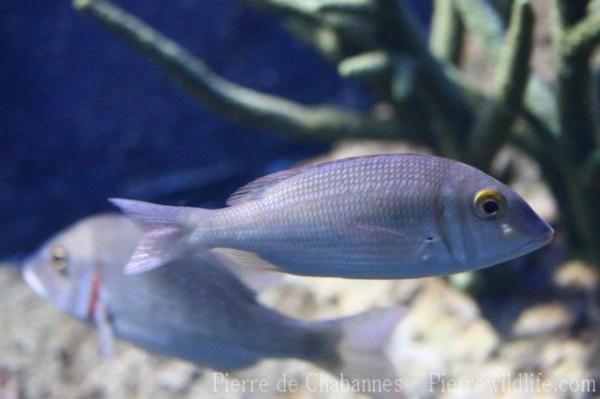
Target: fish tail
pixel 361 341
pixel 165 233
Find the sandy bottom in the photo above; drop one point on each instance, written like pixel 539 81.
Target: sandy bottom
pixel 444 347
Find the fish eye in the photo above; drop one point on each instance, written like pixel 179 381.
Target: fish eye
pixel 489 204
pixel 59 257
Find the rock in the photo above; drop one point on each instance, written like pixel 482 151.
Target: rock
pixel 478 342
pixel 543 319
pixel 443 335
pixel 557 351
pixel 577 275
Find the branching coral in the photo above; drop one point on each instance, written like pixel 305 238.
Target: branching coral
pixel 380 43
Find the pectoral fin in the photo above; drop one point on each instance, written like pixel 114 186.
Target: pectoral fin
pixel 393 243
pixel 105 330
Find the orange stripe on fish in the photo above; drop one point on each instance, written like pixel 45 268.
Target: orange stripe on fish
pixel 94 296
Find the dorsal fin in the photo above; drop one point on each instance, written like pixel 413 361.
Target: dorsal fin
pixel 255 189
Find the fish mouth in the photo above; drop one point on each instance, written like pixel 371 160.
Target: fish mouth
pixel 34 283
pixel 547 236
pixel 537 242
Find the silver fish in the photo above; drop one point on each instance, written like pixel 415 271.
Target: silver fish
pixel 382 216
pixel 197 309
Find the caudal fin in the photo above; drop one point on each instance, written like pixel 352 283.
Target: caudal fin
pixel 360 350
pixel 163 235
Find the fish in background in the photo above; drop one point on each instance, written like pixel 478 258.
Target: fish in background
pixel 197 309
pixel 382 216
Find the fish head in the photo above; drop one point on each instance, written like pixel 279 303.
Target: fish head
pixel 65 270
pixel 488 222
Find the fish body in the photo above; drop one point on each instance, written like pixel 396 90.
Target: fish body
pixel 383 216
pixel 197 309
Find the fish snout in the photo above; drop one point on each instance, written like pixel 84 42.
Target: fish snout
pixel 533 226
pixel 537 234
pixel 546 233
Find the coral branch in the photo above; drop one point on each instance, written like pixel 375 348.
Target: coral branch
pixel 293 8
pixel 570 12
pixel 312 8
pixel 504 8
pixel 480 17
pixel 404 78
pixel 399 70
pixel 493 127
pixel 323 38
pixel 255 108
pixel 359 7
pixel 401 32
pixel 374 65
pixel 513 72
pixel 592 171
pixel 575 85
pixel 584 36
pixel 392 77
pixel 408 65
pixel 341 15
pixel 446 38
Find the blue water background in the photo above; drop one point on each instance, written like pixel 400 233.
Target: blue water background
pixel 84 117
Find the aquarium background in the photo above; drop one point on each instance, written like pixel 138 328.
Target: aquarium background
pixel 84 118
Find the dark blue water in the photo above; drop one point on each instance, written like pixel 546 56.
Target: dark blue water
pixel 84 117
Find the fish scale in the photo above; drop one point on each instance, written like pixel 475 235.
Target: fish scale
pixel 343 199
pixel 381 216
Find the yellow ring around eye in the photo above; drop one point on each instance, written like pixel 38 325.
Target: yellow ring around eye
pixel 489 203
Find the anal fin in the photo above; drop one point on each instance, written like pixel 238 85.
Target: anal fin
pixel 105 331
pixel 257 279
pixel 245 259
